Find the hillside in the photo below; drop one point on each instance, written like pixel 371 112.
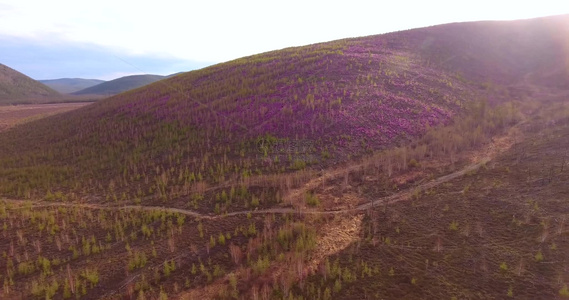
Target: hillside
pixel 497 232
pixel 16 87
pixel 119 85
pixel 499 52
pixel 404 165
pixel 316 105
pixel 70 85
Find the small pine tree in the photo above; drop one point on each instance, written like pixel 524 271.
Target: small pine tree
pixel 327 294
pixel 337 286
pixel 66 290
pixel 166 269
pixel 163 295
pixel 453 226
pixel 564 291
pixel 539 256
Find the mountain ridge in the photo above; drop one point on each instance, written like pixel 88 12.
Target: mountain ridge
pixel 70 85
pixel 119 85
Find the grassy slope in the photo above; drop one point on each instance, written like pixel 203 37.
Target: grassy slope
pixel 70 85
pixel 317 104
pixel 16 87
pixel 173 125
pixel 119 85
pixel 335 100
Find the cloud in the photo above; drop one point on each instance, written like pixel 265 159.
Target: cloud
pixel 220 30
pixel 5 9
pixel 41 60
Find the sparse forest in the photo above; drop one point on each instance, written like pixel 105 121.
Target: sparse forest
pixel 419 164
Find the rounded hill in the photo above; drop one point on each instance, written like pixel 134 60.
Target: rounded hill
pixel 281 111
pixel 16 87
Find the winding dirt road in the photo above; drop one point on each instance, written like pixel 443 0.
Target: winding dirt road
pixel 401 196
pixel 497 146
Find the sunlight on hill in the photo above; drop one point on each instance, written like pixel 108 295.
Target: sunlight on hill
pixel 563 37
pixel 566 46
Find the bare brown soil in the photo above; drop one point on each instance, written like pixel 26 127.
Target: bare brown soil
pixel 13 115
pixel 337 236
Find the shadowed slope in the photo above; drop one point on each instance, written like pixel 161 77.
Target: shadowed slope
pixel 16 87
pixel 119 85
pixel 70 85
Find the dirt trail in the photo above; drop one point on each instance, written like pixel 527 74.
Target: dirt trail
pixel 390 199
pixel 316 182
pixel 337 236
pixel 479 158
pixel 499 145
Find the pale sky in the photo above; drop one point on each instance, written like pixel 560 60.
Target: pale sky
pixel 55 38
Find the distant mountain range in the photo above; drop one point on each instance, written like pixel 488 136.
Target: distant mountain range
pixel 16 87
pixel 70 85
pixel 119 85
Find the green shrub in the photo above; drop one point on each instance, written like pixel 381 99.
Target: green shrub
pixel 453 226
pixel 221 239
pixel 413 163
pixel 312 200
pixel 92 276
pixel 337 286
pixel 298 164
pixel 539 256
pixel 564 292
pixel 254 201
